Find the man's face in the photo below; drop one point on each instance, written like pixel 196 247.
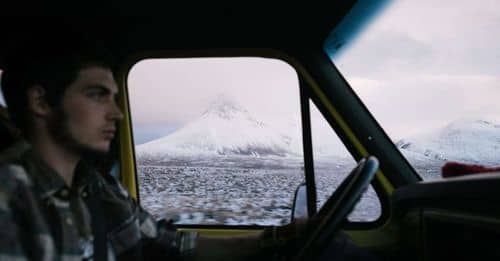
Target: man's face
pixel 87 116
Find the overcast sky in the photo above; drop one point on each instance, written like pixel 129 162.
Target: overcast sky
pixel 418 66
pixel 165 94
pixel 422 64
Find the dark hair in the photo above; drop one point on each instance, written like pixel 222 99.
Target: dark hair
pixel 51 60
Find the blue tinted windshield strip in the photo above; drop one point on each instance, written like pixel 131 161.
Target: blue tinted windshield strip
pixel 352 24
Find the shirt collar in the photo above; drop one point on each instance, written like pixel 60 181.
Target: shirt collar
pixel 49 182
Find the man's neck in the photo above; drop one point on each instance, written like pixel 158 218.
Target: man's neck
pixel 62 160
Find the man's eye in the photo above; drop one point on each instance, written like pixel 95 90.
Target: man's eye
pixel 97 95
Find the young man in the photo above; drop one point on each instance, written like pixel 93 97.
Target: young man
pixel 53 203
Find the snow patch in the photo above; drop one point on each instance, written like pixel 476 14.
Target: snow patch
pixel 465 140
pixel 225 128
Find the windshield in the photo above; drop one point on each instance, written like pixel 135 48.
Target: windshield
pixel 429 72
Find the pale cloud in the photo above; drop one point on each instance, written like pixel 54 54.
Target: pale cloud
pixel 445 21
pixel 363 83
pixel 429 101
pixel 179 90
pixel 435 37
pixel 386 53
pixel 422 64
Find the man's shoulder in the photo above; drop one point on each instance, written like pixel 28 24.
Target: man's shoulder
pixel 15 186
pixel 14 153
pixel 12 173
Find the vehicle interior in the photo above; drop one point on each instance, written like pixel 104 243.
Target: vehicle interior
pixel 456 218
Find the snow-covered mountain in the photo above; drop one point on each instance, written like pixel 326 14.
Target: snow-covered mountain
pixel 225 128
pixel 474 141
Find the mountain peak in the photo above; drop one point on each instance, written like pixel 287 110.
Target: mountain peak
pixel 225 128
pixel 224 108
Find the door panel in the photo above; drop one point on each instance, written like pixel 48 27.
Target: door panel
pixel 454 219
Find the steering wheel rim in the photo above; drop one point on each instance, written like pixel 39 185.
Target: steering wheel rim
pixel 337 207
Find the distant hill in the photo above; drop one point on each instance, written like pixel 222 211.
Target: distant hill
pixel 225 128
pixel 472 141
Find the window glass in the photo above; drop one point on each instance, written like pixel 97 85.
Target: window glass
pixel 332 164
pixel 217 140
pixel 429 71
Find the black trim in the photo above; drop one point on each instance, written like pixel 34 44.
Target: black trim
pixel 307 147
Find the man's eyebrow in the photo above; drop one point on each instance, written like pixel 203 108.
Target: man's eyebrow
pixel 102 88
pixel 105 90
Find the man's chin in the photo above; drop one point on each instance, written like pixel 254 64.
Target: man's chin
pixel 99 150
pixel 93 152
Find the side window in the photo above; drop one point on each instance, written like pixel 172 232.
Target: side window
pixel 217 140
pixel 332 164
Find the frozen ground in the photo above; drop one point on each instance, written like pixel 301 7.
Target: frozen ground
pixel 238 190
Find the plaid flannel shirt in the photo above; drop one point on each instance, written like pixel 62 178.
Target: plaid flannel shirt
pixel 41 218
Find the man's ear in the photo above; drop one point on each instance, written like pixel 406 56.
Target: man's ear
pixel 37 101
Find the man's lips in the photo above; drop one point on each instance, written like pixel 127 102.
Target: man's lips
pixel 109 133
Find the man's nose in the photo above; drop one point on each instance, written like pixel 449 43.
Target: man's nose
pixel 115 113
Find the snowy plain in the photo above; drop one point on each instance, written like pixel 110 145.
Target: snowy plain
pixel 240 193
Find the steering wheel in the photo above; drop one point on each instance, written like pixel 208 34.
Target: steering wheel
pixel 336 209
